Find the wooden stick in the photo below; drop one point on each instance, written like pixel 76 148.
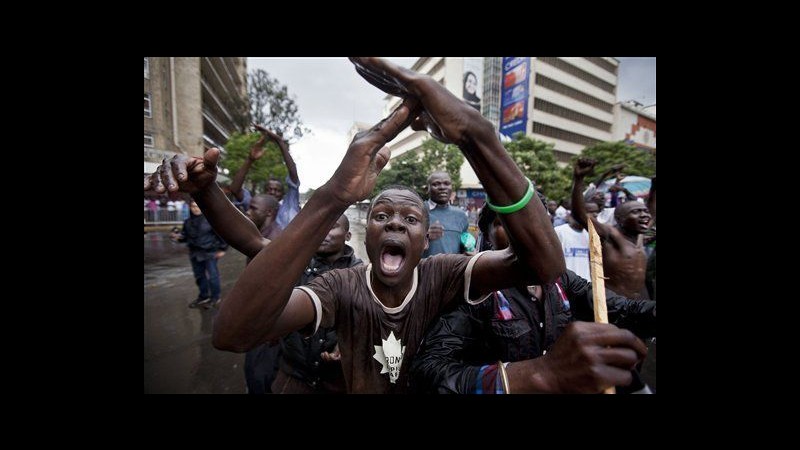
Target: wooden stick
pixel 598 281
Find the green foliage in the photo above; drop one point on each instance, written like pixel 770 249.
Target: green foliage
pixel 437 156
pixel 237 149
pixel 637 161
pixel 405 170
pixel 271 106
pixel 413 168
pixel 538 162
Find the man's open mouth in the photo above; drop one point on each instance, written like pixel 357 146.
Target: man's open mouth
pixel 392 257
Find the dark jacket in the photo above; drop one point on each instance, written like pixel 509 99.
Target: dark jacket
pixel 202 241
pixel 462 341
pixel 300 356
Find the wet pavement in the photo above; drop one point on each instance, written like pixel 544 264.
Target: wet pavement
pixel 178 355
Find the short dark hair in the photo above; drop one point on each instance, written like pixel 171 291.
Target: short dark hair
pixel 401 187
pixel 346 224
pixel 269 201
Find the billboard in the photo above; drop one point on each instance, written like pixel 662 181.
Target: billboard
pixel 514 95
pixel 472 87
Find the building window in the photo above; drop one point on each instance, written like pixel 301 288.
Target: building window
pixel 569 114
pixel 554 85
pixel 564 135
pixel 147 110
pixel 146 68
pixel 148 140
pixel 579 73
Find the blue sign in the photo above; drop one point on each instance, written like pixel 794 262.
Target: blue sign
pixel 514 95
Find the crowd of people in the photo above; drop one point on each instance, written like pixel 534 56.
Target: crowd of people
pixel 432 310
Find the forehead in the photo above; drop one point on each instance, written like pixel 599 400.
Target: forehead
pixel 633 206
pixel 439 176
pixel 397 197
pixel 592 207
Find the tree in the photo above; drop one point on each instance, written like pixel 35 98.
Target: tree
pixel 413 168
pixel 637 161
pixel 237 149
pixel 271 106
pixel 445 157
pixel 537 161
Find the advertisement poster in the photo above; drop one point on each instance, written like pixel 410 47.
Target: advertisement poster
pixel 514 97
pixel 472 89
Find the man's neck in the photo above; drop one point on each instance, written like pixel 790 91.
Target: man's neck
pixel 432 204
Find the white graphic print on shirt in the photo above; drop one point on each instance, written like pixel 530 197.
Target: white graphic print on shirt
pixel 390 355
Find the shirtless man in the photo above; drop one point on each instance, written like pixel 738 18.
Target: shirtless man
pixel 624 259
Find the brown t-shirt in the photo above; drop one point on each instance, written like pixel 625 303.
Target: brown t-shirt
pixel 377 343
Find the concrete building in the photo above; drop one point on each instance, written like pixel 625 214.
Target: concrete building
pixel 567 101
pixel 635 124
pixel 191 103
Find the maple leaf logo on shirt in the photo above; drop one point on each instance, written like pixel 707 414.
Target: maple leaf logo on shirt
pixel 390 355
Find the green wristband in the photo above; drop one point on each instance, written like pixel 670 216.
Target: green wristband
pixel 516 206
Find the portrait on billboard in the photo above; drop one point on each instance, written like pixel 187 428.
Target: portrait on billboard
pixel 472 89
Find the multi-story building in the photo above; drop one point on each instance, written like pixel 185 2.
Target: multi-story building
pixel 568 101
pixel 191 103
pixel 635 124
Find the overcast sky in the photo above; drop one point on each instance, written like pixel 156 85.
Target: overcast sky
pixel 330 96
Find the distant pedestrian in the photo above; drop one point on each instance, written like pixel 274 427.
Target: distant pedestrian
pixel 205 248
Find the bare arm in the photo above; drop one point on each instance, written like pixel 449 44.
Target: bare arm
pixel 196 176
pixel 614 170
pixel 287 157
pixel 241 174
pixel 651 200
pixel 260 308
pixel 583 167
pixel 538 257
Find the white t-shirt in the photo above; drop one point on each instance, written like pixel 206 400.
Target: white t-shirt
pixel 576 249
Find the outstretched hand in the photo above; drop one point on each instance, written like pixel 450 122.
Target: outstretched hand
pixel 257 150
pixel 366 156
pixel 184 173
pixel 269 133
pixel 446 117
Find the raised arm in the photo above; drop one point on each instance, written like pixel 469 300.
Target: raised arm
pixel 614 170
pixel 261 307
pixel 284 146
pixel 537 255
pixel 196 176
pixel 583 167
pixel 256 152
